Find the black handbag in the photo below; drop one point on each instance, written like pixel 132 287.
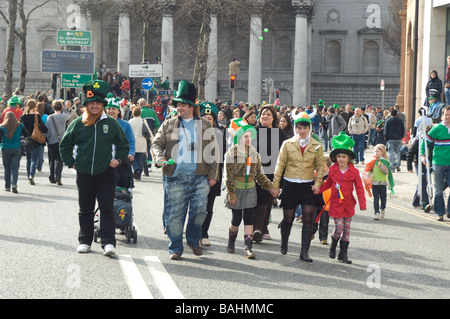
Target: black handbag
pixel 145 130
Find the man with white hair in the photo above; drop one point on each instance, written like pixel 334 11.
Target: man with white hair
pixel 149 115
pixel 358 127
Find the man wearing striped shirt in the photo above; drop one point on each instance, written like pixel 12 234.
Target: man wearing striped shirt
pixel 440 136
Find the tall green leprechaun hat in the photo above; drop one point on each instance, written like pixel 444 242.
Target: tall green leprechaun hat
pixel 238 127
pixel 96 91
pixel 186 93
pixel 342 144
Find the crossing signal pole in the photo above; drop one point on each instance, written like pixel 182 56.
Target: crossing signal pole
pixel 232 81
pixel 232 86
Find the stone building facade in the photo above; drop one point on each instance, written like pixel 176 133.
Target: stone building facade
pixel 330 50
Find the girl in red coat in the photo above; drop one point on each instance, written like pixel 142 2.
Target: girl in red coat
pixel 342 177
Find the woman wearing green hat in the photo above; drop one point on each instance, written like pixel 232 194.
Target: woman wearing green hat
pixel 300 157
pixel 209 111
pixel 13 106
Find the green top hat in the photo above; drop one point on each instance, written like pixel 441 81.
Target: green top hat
pixel 342 144
pixel 208 108
pixel 321 102
pixel 14 100
pixel 186 93
pixel 95 91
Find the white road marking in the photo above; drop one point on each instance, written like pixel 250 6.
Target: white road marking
pixel 136 283
pixel 162 279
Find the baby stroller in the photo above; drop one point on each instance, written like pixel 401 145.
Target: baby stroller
pixel 123 208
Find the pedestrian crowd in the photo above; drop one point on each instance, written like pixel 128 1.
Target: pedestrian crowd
pixel 306 160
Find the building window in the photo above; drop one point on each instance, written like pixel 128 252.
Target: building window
pixel 332 56
pixel 282 53
pixel 371 57
pixel 49 43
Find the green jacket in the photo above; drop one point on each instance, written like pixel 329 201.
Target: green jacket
pixel 147 112
pixel 92 148
pixel 440 136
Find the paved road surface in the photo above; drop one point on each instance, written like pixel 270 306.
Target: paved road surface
pixel 403 256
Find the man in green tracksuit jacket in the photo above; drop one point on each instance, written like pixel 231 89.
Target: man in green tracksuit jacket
pixel 440 136
pixel 94 144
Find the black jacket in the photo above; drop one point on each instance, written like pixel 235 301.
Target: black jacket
pixel 394 129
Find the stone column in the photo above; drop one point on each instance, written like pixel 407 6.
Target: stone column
pixel 254 65
pixel 211 80
pixel 401 97
pixel 124 51
pixel 167 40
pixel 303 10
pixel 308 69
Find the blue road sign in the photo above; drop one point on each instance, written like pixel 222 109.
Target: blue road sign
pixel 147 84
pixel 68 62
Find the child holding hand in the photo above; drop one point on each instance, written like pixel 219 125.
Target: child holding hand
pixel 343 177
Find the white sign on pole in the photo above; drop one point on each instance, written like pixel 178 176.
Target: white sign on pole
pixel 382 85
pixel 145 70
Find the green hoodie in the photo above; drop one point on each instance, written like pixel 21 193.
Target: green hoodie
pixel 92 148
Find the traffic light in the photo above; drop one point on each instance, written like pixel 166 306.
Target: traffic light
pixel 232 81
pixel 277 93
pixel 264 85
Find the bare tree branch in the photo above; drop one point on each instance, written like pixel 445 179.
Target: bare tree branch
pixel 392 30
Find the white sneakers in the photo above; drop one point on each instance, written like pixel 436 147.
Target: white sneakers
pixel 205 242
pixel 83 248
pixel 108 249
pixel 378 215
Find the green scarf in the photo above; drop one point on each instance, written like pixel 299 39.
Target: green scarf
pixel 386 163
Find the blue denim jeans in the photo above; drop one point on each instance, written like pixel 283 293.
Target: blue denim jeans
pixel 394 147
pixel 11 163
pixel 325 140
pixel 32 158
pixel 138 163
pixel 372 136
pixel 359 147
pixel 184 193
pixel 441 173
pixel 447 95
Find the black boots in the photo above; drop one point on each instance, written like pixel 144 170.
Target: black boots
pixel 334 243
pixel 248 253
pixel 343 252
pixel 231 241
pixel 285 232
pixel 248 239
pixel 306 241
